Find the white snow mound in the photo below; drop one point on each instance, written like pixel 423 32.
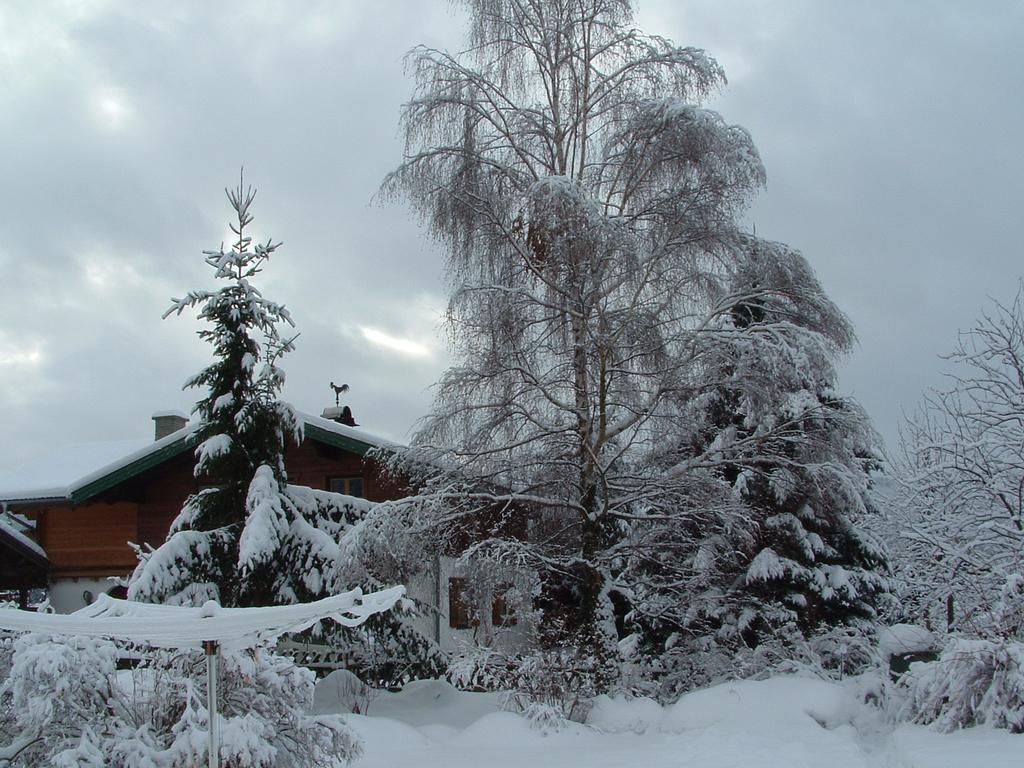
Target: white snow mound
pixel 904 638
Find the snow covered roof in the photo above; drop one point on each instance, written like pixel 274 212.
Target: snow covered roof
pixel 51 475
pixel 19 539
pixel 76 473
pixel 350 438
pixel 171 626
pixel 68 473
pixel 23 562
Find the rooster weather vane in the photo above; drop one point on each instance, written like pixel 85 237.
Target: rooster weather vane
pixel 338 392
pixel 345 417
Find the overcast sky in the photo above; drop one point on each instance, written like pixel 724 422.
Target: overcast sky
pixel 890 132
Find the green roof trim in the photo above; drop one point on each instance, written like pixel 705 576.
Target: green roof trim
pixel 177 447
pixel 130 470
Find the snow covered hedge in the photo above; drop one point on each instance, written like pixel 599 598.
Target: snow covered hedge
pixel 66 703
pixel 974 682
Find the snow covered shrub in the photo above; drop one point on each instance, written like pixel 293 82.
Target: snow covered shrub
pixel 1009 610
pixel 6 651
pixel 541 684
pixel 546 718
pixel 342 691
pixel 68 704
pixel 384 652
pixel 974 682
pixel 698 662
pixel 482 669
pixel 846 650
pixel 8 729
pixel 51 688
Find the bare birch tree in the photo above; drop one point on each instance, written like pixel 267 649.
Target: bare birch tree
pixel 589 208
pixel 961 467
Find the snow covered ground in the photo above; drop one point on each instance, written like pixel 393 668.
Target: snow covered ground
pixel 779 723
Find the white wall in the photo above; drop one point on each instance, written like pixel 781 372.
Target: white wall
pixel 67 595
pixel 425 589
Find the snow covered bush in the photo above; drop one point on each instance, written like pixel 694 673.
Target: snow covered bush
pixel 7 723
pixel 691 662
pixel 977 680
pixel 974 682
pixel 342 691
pixel 68 704
pixel 1008 616
pixel 545 685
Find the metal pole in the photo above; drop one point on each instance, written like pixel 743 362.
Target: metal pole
pixel 210 646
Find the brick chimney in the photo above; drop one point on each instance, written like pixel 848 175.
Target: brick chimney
pixel 168 422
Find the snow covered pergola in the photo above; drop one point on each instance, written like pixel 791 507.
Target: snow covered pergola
pixel 23 563
pixel 208 627
pixel 172 626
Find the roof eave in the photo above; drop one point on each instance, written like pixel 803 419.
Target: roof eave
pixel 35 499
pixel 81 493
pixel 174 445
pixel 26 553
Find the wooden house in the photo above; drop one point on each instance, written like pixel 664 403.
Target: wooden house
pixel 83 522
pixel 69 519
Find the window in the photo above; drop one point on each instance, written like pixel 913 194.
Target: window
pixel 350 486
pixel 502 614
pixel 460 611
pixel 458 606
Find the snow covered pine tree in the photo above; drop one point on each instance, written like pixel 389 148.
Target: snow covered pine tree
pixel 234 541
pixel 249 538
pixel 589 207
pixel 778 557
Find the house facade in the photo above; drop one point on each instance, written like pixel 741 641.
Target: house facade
pixel 75 534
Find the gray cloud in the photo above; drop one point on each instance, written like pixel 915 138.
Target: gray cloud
pixel 888 131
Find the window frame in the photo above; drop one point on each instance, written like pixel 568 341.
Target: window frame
pixel 346 483
pixel 459 614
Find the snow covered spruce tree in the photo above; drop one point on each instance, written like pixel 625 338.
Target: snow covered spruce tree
pixel 961 470
pixel 230 540
pixel 589 207
pixel 250 538
pixel 775 442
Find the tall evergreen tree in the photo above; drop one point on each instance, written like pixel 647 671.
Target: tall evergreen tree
pixel 777 548
pixel 248 537
pixel 227 540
